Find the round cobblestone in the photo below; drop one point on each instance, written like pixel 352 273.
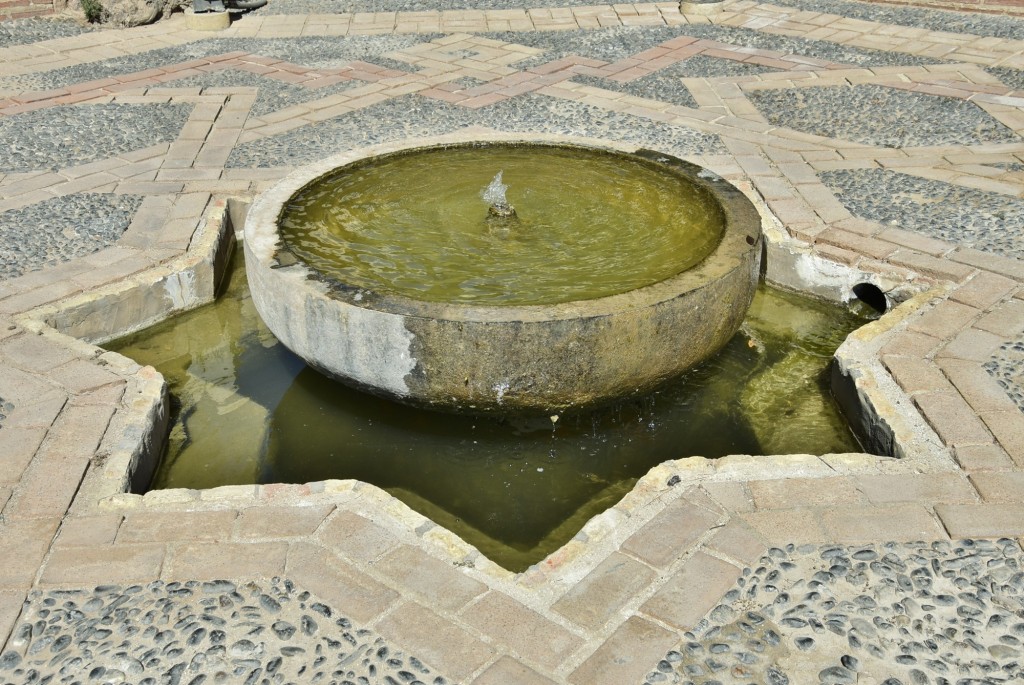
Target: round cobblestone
pixel 1007 368
pixel 915 613
pixel 193 632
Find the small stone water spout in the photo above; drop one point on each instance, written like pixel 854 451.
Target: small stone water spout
pixel 494 196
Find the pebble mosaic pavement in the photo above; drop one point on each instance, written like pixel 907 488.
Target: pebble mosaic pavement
pixel 887 140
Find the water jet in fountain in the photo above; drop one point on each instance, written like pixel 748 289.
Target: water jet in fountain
pixel 494 196
pixel 626 268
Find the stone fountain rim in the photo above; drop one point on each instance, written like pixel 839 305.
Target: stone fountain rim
pixel 742 233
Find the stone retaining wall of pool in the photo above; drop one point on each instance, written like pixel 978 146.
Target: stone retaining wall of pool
pixel 886 152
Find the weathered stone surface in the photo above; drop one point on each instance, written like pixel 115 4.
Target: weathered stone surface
pixel 507 622
pixel 84 567
pixel 669 533
pixel 89 531
pixel 738 541
pixel 692 591
pixel 900 522
pixel 10 607
pixel 18 446
pixel 626 656
pixel 356 537
pixel 790 493
pixel 982 520
pixel 339 582
pixel 439 584
pixel 176 526
pixel 999 487
pixel 983 458
pixel 23 543
pixel 803 525
pixel 597 598
pixel 930 487
pixel 280 522
pixel 442 643
pixel 506 670
pixel 212 560
pixel 478 358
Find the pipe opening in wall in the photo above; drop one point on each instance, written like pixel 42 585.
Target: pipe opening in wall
pixel 872 296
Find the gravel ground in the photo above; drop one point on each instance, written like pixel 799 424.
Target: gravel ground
pixel 320 53
pixel 892 614
pixel 935 20
pixel 414 116
pixel 986 221
pixel 1011 78
pixel 620 42
pixel 315 53
pixel 876 115
pixel 984 25
pixel 272 95
pixel 63 137
pixel 60 229
pixel 665 85
pixel 338 7
pixel 1007 367
pixel 212 632
pixel 35 29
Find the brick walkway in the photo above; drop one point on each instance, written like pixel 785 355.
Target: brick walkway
pixel 790 105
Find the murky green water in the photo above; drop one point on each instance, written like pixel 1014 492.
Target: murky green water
pixel 416 224
pixel 248 411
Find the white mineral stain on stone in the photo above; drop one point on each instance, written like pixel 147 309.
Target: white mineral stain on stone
pixel 812 269
pixel 181 289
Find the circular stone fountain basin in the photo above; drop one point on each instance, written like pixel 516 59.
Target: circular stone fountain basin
pixel 408 287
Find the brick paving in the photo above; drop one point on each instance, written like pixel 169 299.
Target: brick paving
pixel 621 601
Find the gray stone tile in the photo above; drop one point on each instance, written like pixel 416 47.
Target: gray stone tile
pixel 435 639
pixel 692 591
pixel 626 656
pixel 599 596
pixel 670 533
pixel 508 623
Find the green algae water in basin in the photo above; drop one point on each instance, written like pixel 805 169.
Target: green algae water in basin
pixel 245 410
pixel 585 275
pixel 584 224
